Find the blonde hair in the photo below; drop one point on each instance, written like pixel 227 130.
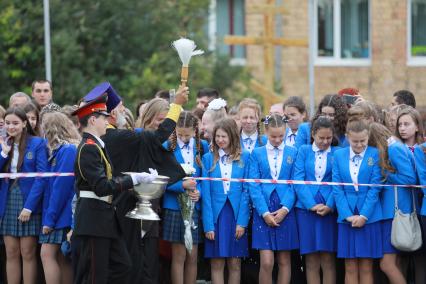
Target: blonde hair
pixel 59 130
pixel 150 110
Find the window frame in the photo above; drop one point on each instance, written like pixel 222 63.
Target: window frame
pixel 212 35
pixel 412 61
pixel 336 59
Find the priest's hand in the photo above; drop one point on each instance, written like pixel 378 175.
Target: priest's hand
pixel 182 95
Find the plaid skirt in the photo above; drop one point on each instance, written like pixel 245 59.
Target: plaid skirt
pixel 174 229
pixel 10 225
pixel 57 236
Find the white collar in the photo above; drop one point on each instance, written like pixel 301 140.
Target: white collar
pixel 270 147
pixel 352 153
pixel 100 141
pixel 181 144
pixel 290 132
pixel 316 149
pixel 222 153
pixel 253 136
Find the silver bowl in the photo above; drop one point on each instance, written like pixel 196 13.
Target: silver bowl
pixel 147 192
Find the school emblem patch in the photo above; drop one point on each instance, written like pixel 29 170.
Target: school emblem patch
pixel 30 155
pixel 370 161
pixel 289 160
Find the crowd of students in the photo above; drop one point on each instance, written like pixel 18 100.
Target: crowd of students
pixel 347 140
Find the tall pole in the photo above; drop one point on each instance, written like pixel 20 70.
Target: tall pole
pixel 312 47
pixel 48 60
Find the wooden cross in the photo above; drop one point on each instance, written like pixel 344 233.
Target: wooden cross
pixel 268 41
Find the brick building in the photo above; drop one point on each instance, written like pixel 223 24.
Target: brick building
pixel 378 46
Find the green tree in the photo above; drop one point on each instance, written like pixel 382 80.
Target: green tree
pixel 127 43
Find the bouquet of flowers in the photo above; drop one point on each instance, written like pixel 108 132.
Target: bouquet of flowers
pixel 187 210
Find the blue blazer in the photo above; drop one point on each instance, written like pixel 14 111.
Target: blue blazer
pixel 214 198
pixel 259 169
pixel 58 195
pixel 170 200
pixel 420 158
pixel 263 140
pixel 366 199
pixel 303 136
pixel 35 160
pixel 403 162
pixel 304 169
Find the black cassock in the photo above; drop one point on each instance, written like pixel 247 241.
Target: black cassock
pixel 137 152
pixel 101 254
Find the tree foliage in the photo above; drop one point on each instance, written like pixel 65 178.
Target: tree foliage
pixel 125 42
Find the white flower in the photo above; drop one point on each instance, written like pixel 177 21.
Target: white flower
pixel 189 170
pixel 216 104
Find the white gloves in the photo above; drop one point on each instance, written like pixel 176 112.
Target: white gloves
pixel 144 177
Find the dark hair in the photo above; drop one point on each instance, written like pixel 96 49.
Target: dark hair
pixel 85 120
pixel 164 94
pixel 405 97
pixel 188 120
pixel 208 92
pixel 323 122
pixel 340 109
pixel 274 120
pixel 26 133
pixel 297 103
pixel 30 107
pixel 198 112
pixel 230 127
pixel 41 82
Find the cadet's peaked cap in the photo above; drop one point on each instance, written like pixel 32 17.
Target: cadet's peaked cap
pixel 113 98
pixel 98 106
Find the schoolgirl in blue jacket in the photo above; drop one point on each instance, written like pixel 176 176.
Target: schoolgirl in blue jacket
pixel 315 206
pixel 225 205
pixel 274 222
pixel 20 197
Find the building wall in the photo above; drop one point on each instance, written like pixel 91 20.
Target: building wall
pixel 387 73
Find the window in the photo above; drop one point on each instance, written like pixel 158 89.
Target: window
pixel 342 32
pixel 416 36
pixel 227 17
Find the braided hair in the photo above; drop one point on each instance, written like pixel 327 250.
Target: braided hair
pixel 188 120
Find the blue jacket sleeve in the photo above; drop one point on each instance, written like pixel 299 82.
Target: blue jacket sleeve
pixel 405 170
pixel 37 188
pixel 62 187
pixel 330 201
pixel 303 135
pixel 302 191
pixel 420 158
pixel 342 204
pixel 207 211
pixel 243 213
pixel 372 197
pixel 255 189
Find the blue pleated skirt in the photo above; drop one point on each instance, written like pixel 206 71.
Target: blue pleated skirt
pixel 365 242
pixel 174 228
pixel 57 236
pixel 284 237
pixel 10 225
pixel 225 244
pixel 316 233
pixel 386 237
